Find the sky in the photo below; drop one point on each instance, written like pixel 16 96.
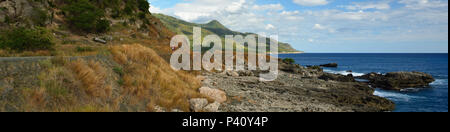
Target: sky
pixel 328 26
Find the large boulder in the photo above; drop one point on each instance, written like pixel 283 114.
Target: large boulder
pixel 23 10
pixel 99 40
pixel 232 73
pixel 216 94
pixel 290 67
pixel 213 107
pixel 245 73
pixel 197 104
pixel 330 65
pixel 399 80
pixel 336 77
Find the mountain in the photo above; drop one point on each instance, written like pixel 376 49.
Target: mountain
pixel 214 27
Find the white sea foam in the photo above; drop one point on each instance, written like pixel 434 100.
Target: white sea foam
pixel 356 74
pixel 395 96
pixel 440 82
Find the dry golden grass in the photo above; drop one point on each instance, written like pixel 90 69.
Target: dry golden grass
pixel 147 81
pixel 150 78
pixel 93 77
pixel 88 86
pixel 63 87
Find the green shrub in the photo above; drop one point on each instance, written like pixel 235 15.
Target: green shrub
pixel 143 5
pixel 84 49
pixel 132 20
pixel 130 7
pixel 26 39
pixel 141 15
pixel 7 19
pixel 116 13
pixel 289 60
pixel 83 15
pixel 39 16
pixel 119 71
pixel 103 26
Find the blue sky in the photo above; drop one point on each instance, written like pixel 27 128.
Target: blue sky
pixel 331 26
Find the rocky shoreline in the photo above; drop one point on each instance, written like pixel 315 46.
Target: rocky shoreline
pixel 298 89
pixel 399 80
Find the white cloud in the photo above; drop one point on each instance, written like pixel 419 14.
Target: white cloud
pixel 358 22
pixel 270 27
pixel 364 6
pixel 423 4
pixel 268 7
pixel 154 9
pixel 238 15
pixel 195 10
pixel 235 6
pixel 311 2
pixel 319 27
pixel 291 15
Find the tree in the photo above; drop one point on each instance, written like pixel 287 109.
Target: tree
pixel 143 5
pixel 82 15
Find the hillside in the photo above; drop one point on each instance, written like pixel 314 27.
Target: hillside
pixel 78 28
pixel 214 27
pixel 88 56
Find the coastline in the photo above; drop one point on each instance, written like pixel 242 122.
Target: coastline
pixel 286 53
pixel 297 89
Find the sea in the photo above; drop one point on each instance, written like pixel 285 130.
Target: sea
pixel 434 99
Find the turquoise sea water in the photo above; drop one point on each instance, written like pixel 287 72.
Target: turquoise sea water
pixel 434 99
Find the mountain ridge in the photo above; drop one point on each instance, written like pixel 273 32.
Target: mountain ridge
pixel 212 27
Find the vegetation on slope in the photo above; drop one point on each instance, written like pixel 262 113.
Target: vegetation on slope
pixel 138 80
pixel 214 27
pixel 74 23
pixel 109 77
pixel 23 39
pixel 84 16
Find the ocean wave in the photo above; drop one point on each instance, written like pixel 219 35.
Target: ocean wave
pixel 395 96
pixel 356 74
pixel 440 82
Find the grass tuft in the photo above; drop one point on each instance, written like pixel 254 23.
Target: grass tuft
pixel 151 78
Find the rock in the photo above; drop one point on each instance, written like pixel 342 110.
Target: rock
pixel 159 109
pixel 245 73
pixel 99 40
pixel 399 80
pixel 290 68
pixel 197 104
pixel 216 94
pixel 108 38
pixel 317 68
pixel 336 77
pixel 232 73
pixel 330 65
pixel 213 107
pixel 14 9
